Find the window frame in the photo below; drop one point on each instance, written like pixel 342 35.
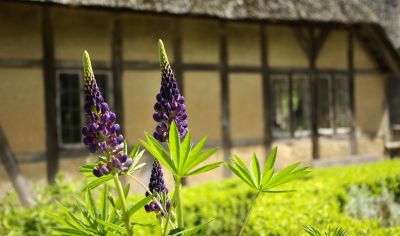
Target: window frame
pixel 110 101
pixel 290 75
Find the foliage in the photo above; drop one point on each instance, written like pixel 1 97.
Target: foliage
pixel 319 201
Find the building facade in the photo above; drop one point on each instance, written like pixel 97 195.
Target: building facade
pixel 317 88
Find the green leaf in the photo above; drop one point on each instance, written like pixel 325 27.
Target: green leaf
pixel 76 223
pixel 267 177
pixel 140 204
pixel 190 231
pixel 184 151
pixel 157 150
pixel 197 148
pixel 112 226
pixel 87 168
pixel 311 231
pixel 104 202
pixel 290 177
pixel 126 189
pixel 242 169
pixel 255 165
pixel 271 160
pixel 204 168
pixel 281 174
pixel 174 144
pixel 135 151
pixel 91 203
pixel 196 160
pixel 240 175
pixel 98 181
pixel 125 147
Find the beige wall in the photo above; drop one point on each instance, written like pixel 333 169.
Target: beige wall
pixel 202 94
pixel 333 53
pixel 246 108
pixel 77 30
pixel 200 41
pixel 22 109
pixel 20 31
pixel 369 96
pixel 243 44
pixel 362 59
pixel 284 50
pixel 139 94
pixel 141 33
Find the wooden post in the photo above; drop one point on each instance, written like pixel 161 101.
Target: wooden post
pixel 117 70
pixel 265 87
pixel 10 165
pixel 351 108
pixel 312 56
pixel 225 115
pixel 52 147
pixel 291 120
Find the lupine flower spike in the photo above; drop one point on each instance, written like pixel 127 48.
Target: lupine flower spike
pixel 169 107
pixel 157 185
pixel 101 134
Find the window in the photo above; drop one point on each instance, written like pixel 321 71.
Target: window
pixel 333 102
pixel 290 104
pixel 70 103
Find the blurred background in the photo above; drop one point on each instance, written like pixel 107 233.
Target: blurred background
pixel 319 79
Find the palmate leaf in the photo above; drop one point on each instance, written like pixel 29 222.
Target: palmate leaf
pixel 139 205
pixel 181 158
pixel 97 181
pixel 264 182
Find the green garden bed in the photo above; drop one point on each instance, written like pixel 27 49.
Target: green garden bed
pixel 320 200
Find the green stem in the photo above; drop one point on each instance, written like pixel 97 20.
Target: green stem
pixel 248 213
pixel 124 205
pixel 178 199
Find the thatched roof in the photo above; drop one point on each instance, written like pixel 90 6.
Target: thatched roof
pixel 342 11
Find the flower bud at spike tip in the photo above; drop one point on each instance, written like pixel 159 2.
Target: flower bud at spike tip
pixel 101 133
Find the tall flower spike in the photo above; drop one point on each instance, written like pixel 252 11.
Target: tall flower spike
pixel 170 104
pixel 101 133
pixel 157 185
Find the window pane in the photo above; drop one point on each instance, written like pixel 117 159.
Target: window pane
pixel 300 101
pixel 280 106
pixel 323 101
pixel 69 110
pixel 341 101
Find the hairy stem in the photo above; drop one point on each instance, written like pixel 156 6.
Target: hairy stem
pixel 248 213
pixel 124 205
pixel 178 199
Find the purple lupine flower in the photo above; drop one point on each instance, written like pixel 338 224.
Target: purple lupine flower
pixel 157 185
pixel 101 134
pixel 170 104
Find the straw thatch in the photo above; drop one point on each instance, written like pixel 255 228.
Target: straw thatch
pixel 343 11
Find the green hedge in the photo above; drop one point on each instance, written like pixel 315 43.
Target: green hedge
pixel 318 201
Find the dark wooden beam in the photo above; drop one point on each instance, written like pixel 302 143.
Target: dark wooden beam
pixel 50 93
pixel 200 67
pixel 9 161
pixel 77 64
pixel 224 82
pixel 351 108
pixel 312 58
pixel 21 63
pixel 265 87
pixel 291 120
pixel 117 70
